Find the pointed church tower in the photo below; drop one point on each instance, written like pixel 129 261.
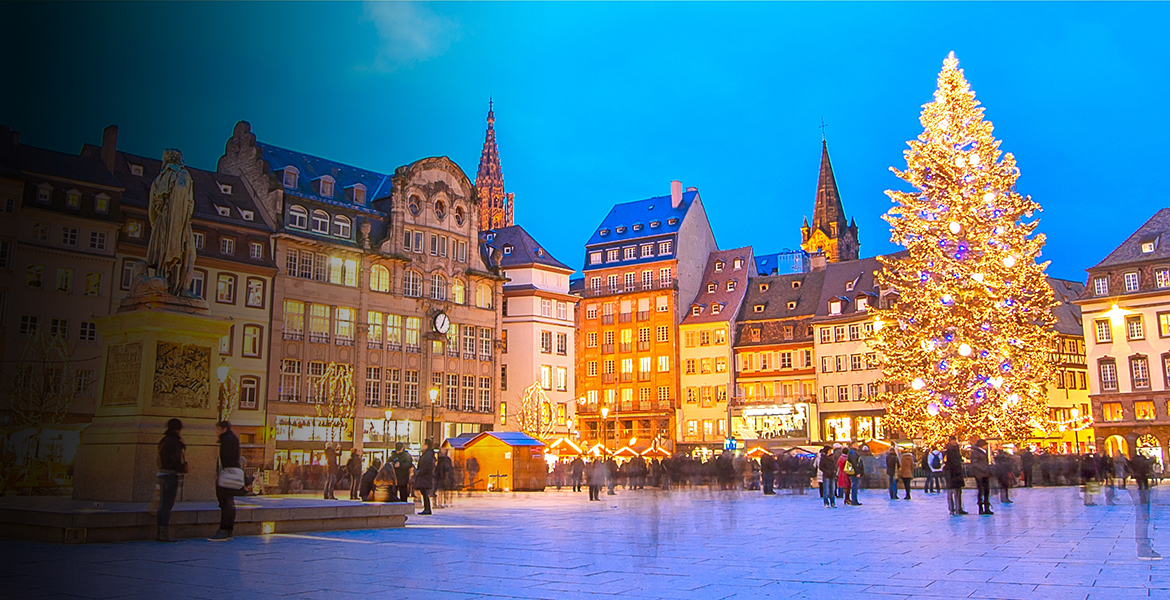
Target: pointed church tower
pixel 495 206
pixel 830 232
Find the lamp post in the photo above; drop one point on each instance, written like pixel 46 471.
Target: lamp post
pixel 386 430
pixel 605 428
pixel 1076 431
pixel 434 394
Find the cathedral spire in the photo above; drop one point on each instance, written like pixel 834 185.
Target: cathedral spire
pixel 830 231
pixel 495 205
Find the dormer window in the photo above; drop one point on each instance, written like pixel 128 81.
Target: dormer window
pixel 225 189
pixel 715 308
pixel 863 303
pixel 655 224
pixel 325 186
pixel 849 286
pixel 759 308
pixel 718 266
pixel 540 252
pixel 298 217
pixel 223 211
pixel 603 232
pixel 696 310
pixel 711 288
pixel 672 221
pixel 792 305
pixel 248 215
pixel 320 222
pixel 731 285
pixel 620 229
pixel 834 307
pixel 342 226
pixel 1147 247
pixel 737 264
pixel 507 249
pixel 490 236
pixel 796 285
pixel 136 170
pixel 357 193
pixel 290 177
pixel 637 227
pixel 763 287
pixel 101 204
pixel 73 199
pixel 44 193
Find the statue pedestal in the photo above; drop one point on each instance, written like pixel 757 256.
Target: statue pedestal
pixel 159 358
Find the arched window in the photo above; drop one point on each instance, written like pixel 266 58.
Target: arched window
pixel 342 227
pixel 412 204
pixel 320 221
pixel 380 279
pixel 440 210
pixel 459 216
pixel 298 217
pixel 483 296
pixel 438 287
pixel 412 284
pixel 458 292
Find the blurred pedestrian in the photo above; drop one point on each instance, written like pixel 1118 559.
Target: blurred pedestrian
pixel 906 470
pixel 403 464
pixel 828 470
pixel 330 470
pixel 172 462
pixel 934 471
pixel 892 470
pixel 424 475
pixel 981 469
pixel 353 468
pixel 225 485
pixel 954 472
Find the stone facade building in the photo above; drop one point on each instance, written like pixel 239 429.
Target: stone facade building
pixel 830 233
pixel 1125 310
pixel 381 280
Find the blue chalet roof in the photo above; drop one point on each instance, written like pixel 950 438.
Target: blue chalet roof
pixel 642 218
pixel 514 438
pixel 461 440
pixel 310 168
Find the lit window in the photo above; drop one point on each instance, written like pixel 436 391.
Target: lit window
pixel 225 290
pixel 252 336
pixel 380 279
pixel 1162 277
pixel 73 199
pixel 93 284
pixel 1111 411
pixel 412 284
pixel 101 204
pixel 255 293
pixel 1143 410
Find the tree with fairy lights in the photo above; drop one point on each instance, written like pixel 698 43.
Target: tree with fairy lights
pixel 969 335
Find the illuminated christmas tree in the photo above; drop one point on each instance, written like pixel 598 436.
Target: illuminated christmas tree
pixel 970 334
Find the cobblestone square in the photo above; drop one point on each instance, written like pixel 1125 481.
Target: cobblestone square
pixel 696 544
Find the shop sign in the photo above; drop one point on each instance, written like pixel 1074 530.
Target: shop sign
pixel 781 421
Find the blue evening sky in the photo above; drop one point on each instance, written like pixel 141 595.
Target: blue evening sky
pixel 605 103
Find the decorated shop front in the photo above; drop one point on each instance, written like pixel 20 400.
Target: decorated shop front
pixel 773 425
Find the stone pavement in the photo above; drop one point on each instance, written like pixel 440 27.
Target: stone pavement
pixel 694 544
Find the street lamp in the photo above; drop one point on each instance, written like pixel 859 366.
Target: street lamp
pixel 1076 430
pixel 386 430
pixel 434 393
pixel 605 428
pixel 224 406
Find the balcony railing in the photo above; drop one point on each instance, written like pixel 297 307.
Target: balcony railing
pixel 643 376
pixel 295 336
pixel 373 344
pixel 625 317
pixel 643 346
pixel 768 400
pixel 607 319
pixel 627 346
pixel 668 284
pixel 608 378
pixel 630 406
pixel 320 338
pixel 627 377
pixel 643 315
pixel 341 341
pixel 607 348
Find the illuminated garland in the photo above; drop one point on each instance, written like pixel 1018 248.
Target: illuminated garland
pixel 337 399
pixel 971 329
pixel 536 413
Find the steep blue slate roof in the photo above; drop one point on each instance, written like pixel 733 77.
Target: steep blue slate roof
pixel 642 212
pixel 311 167
pixel 524 250
pixel 514 438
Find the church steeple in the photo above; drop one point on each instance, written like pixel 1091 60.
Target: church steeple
pixel 495 205
pixel 830 232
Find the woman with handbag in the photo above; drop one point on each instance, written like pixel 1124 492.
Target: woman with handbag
pixel 172 462
pixel 229 480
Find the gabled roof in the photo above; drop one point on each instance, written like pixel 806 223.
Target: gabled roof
pixel 208 194
pixel 779 293
pixel 66 166
pixel 311 168
pixel 511 438
pixel 642 213
pixel 461 440
pixel 1130 251
pixel 525 250
pixel 837 277
pixel 730 301
pixel 1068 315
pixel 782 262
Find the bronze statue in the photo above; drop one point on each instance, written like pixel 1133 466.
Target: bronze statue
pixel 172 245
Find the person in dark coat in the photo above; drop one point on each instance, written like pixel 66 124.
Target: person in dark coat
pixel 981 470
pixel 1003 475
pixel 1027 461
pixel 403 464
pixel 353 467
pixel 611 475
pixel 229 457
pixel 596 474
pixel 366 488
pixel 576 469
pixel 424 475
pixel 828 468
pixel 892 471
pixel 1089 477
pixel 444 478
pixel 768 473
pixel 172 462
pixel 953 469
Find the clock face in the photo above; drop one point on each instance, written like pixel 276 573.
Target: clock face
pixel 442 322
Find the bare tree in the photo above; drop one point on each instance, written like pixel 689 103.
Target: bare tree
pixel 336 399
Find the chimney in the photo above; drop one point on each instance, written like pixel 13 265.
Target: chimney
pixel 676 193
pixel 109 146
pixel 817 261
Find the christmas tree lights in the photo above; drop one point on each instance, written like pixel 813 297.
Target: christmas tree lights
pixel 971 330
